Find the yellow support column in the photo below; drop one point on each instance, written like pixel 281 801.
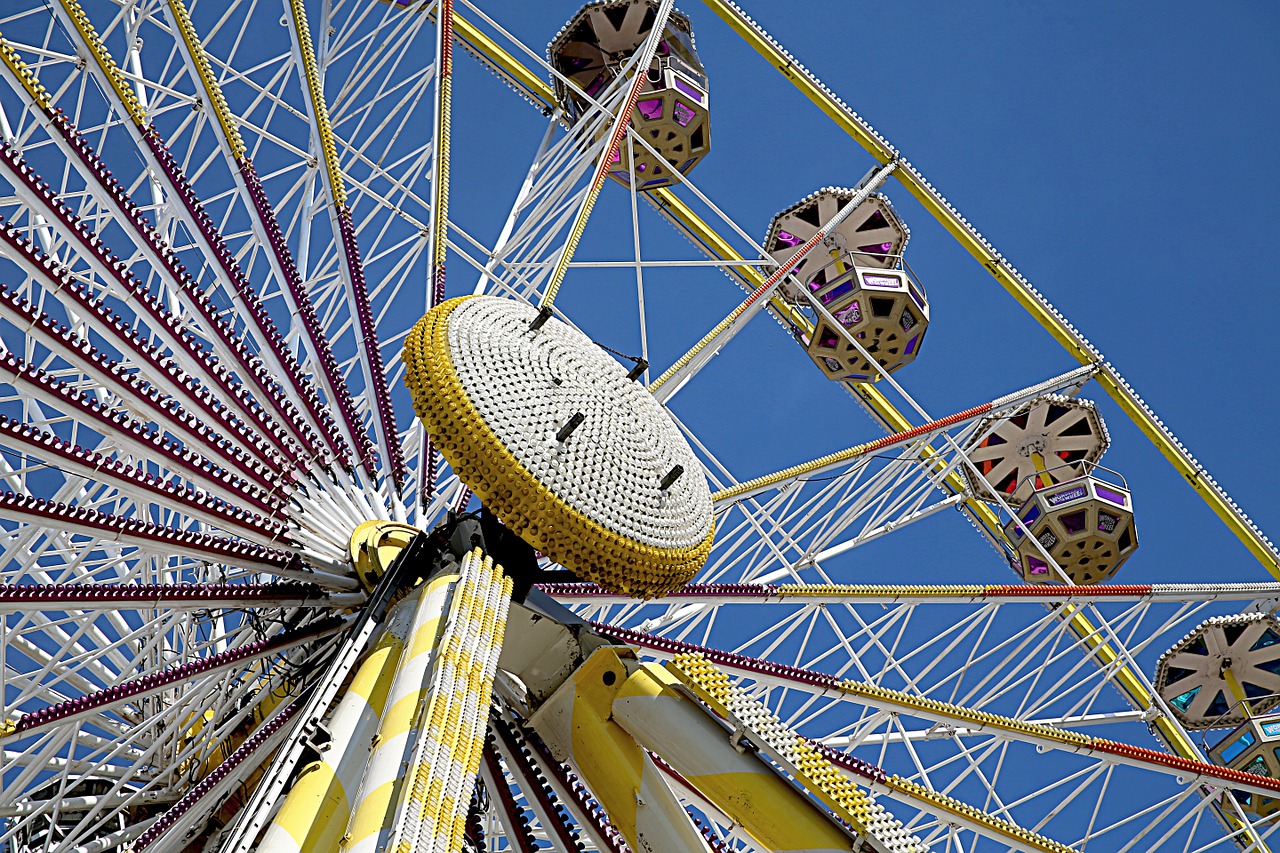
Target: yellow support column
pixel 384 775
pixel 318 806
pixel 744 788
pixel 431 810
pixel 575 724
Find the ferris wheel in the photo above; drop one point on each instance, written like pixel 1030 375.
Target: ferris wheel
pixel 311 547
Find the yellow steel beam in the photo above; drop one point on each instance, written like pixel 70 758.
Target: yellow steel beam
pixel 444 114
pixel 516 72
pixel 114 76
pixel 745 789
pixel 39 94
pixel 319 108
pixel 204 75
pixel 809 766
pixel 576 722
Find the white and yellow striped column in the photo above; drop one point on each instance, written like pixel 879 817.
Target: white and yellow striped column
pixel 314 815
pixel 746 790
pixel 575 724
pixel 379 790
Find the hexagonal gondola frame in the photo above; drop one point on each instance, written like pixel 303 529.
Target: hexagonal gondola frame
pixel 1085 524
pixel 884 310
pixel 1193 669
pixel 873 234
pixel 1058 428
pixel 673 111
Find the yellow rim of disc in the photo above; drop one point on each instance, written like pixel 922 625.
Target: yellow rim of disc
pixel 527 507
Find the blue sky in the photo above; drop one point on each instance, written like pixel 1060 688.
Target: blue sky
pixel 1121 159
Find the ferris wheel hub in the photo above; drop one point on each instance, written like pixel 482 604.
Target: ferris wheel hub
pixel 375 545
pixel 550 434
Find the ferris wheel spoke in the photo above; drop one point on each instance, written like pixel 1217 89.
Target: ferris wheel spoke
pixel 142 731
pixel 54 676
pixel 813 510
pixel 103 376
pixel 141 487
pixel 196 804
pixel 539 814
pixel 131 437
pixel 266 228
pixel 516 822
pixel 1101 652
pixel 203 451
pixel 169 596
pixel 270 126
pixel 1018 655
pixel 348 252
pixel 93 704
pixel 882 594
pixel 121 490
pixel 188 210
pixel 883 495
pixel 159 319
pixel 639 63
pixel 224 698
pixel 913 451
pixel 62 518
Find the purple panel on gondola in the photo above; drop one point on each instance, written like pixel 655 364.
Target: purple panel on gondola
pixel 787 239
pixel 915 294
pixel 1074 522
pixel 650 108
pixel 1108 495
pixel 835 293
pixel 688 90
pixel 850 315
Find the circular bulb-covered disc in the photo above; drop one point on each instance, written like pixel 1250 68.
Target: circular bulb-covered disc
pixel 496 398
